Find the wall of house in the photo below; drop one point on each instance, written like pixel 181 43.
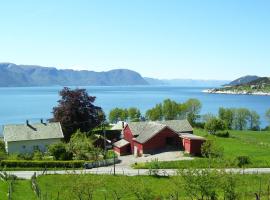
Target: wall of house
pixel 192 146
pixel 28 146
pixel 158 142
pixel 129 137
pixel 196 147
pixel 125 150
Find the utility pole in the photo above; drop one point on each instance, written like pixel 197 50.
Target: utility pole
pixel 113 163
pixel 104 136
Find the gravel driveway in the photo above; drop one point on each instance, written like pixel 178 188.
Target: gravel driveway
pixel 127 161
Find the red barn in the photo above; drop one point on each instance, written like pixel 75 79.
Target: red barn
pixel 152 137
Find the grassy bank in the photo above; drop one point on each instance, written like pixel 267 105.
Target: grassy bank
pixel 254 144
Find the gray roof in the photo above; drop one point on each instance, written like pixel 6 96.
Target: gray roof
pixel 191 136
pixel 146 130
pixel 36 131
pixel 178 126
pixel 121 143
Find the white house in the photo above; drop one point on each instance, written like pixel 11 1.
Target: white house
pixel 25 138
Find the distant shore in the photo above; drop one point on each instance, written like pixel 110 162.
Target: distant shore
pixel 217 91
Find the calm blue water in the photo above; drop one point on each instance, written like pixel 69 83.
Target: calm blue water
pixel 19 104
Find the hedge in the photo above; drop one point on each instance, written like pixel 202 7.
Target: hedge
pixel 42 164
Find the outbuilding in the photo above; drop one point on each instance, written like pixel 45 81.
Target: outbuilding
pixel 192 143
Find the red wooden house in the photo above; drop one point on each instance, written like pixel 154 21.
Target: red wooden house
pixel 151 137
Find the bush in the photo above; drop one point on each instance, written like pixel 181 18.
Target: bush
pixel 214 124
pixel 223 134
pixel 241 161
pixel 210 150
pixel 41 164
pixel 59 151
pixel 37 155
pixel 2 146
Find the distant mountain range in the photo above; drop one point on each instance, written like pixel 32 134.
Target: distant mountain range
pixel 186 82
pixel 31 75
pixel 12 75
pixel 242 80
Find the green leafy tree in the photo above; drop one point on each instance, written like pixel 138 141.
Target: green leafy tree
pixel 227 115
pixel 170 109
pixel 134 114
pixel 241 118
pixel 59 151
pixel 254 120
pixel 117 114
pixel 210 149
pixel 267 115
pixel 155 114
pixel 80 146
pixel 77 111
pixel 192 108
pixel 214 124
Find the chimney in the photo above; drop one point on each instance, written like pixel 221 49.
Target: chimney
pixel 41 121
pixel 27 122
pixel 123 124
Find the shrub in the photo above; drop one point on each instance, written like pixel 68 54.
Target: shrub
pixel 223 134
pixel 25 156
pixel 214 124
pixel 210 150
pixel 2 146
pixel 110 154
pixel 37 155
pixel 59 151
pixel 41 164
pixel 241 161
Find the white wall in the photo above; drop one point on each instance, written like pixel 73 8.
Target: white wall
pixel 29 145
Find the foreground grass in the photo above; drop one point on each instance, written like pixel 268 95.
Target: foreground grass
pixel 21 190
pixel 110 187
pixel 70 187
pixel 254 144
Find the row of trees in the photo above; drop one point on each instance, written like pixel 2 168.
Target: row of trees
pixel 239 118
pixel 233 119
pixel 131 114
pixel 167 110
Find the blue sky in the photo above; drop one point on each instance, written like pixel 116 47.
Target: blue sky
pixel 199 39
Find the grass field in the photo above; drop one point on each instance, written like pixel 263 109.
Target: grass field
pixel 254 144
pixel 70 187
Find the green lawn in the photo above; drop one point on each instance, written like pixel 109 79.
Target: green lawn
pixel 70 187
pixel 21 190
pixel 254 144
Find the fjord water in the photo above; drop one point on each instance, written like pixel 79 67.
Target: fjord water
pixel 21 103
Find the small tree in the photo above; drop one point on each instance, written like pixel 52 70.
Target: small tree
pixel 117 114
pixel 210 150
pixel 267 115
pixel 155 114
pixel 254 120
pixel 80 146
pixel 192 108
pixel 77 111
pixel 134 114
pixel 214 124
pixel 59 151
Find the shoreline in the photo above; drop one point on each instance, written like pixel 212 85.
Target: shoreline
pixel 230 92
